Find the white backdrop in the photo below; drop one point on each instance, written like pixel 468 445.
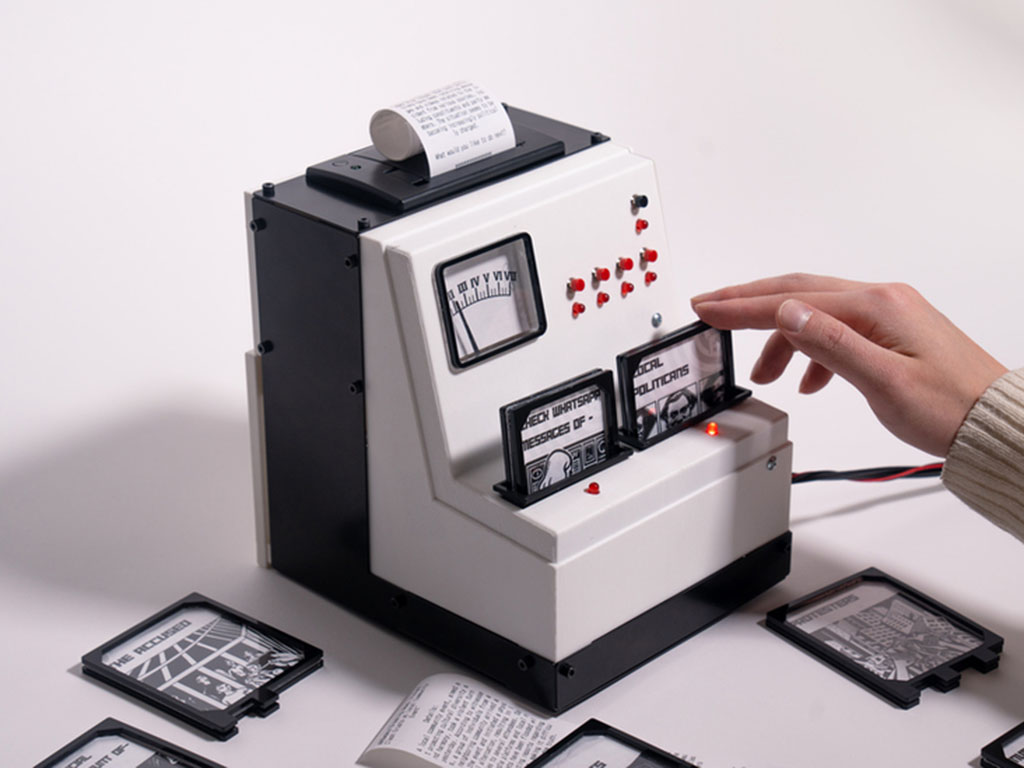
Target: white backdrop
pixel 878 140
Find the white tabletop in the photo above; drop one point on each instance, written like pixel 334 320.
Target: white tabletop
pixel 876 140
pixel 111 529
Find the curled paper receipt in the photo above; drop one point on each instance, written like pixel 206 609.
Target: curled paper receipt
pixel 454 125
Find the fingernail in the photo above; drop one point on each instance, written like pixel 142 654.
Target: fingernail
pixel 698 299
pixel 793 315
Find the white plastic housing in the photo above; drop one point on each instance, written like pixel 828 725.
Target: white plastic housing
pixel 566 570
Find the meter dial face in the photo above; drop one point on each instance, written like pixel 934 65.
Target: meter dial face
pixel 490 300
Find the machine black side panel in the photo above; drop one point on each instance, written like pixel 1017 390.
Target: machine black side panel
pixel 310 322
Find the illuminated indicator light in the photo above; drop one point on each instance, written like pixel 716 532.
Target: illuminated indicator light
pixel 625 263
pixel 650 277
pixel 593 488
pixel 649 255
pixel 576 284
pixel 602 273
pixel 627 288
pixel 578 309
pixel 602 298
pixel 641 225
pixel 712 428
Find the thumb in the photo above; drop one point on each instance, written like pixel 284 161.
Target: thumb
pixel 835 345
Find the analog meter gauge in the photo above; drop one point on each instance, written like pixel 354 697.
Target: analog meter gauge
pixel 490 300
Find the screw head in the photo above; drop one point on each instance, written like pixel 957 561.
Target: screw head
pixel 656 319
pixel 773 462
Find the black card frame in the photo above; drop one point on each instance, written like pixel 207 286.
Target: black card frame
pixel 513 416
pixel 629 361
pixel 221 724
pixel 902 693
pixel 994 755
pixel 597 728
pixel 112 727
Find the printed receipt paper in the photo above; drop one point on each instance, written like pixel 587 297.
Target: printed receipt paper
pixel 454 125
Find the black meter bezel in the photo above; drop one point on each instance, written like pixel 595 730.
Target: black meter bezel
pixel 446 315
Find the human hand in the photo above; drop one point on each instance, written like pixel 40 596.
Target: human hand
pixel 919 372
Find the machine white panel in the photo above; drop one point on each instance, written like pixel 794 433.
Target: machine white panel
pixel 558 574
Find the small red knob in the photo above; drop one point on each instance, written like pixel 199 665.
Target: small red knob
pixel 627 288
pixel 650 277
pixel 593 488
pixel 576 284
pixel 625 263
pixel 602 273
pixel 578 309
pixel 602 298
pixel 641 225
pixel 649 255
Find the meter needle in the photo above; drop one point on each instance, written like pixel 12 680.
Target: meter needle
pixel 458 308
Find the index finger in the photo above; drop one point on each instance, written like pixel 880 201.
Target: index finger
pixel 858 309
pixel 797 282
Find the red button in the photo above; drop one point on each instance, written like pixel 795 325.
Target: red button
pixel 576 284
pixel 593 488
pixel 649 255
pixel 627 288
pixel 650 277
pixel 578 309
pixel 602 298
pixel 602 273
pixel 641 225
pixel 625 263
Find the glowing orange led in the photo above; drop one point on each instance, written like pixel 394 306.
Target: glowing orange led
pixel 712 428
pixel 578 309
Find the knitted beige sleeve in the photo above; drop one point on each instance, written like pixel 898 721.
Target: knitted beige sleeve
pixel 985 465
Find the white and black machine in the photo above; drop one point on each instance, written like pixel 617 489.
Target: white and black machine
pixel 481 412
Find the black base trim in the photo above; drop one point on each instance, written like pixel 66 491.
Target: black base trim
pixel 557 686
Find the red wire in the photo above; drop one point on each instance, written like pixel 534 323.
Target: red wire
pixel 904 473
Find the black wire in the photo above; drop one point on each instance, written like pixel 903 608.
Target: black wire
pixel 874 473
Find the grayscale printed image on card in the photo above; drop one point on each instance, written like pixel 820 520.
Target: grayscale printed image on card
pixel 563 438
pixel 204 663
pixel 883 631
pixel 116 752
pixel 113 744
pixel 893 639
pixel 202 659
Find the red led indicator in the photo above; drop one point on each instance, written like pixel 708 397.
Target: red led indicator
pixel 649 255
pixel 576 284
pixel 602 298
pixel 627 288
pixel 578 309
pixel 712 428
pixel 641 225
pixel 650 277
pixel 602 273
pixel 625 263
pixel 593 489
